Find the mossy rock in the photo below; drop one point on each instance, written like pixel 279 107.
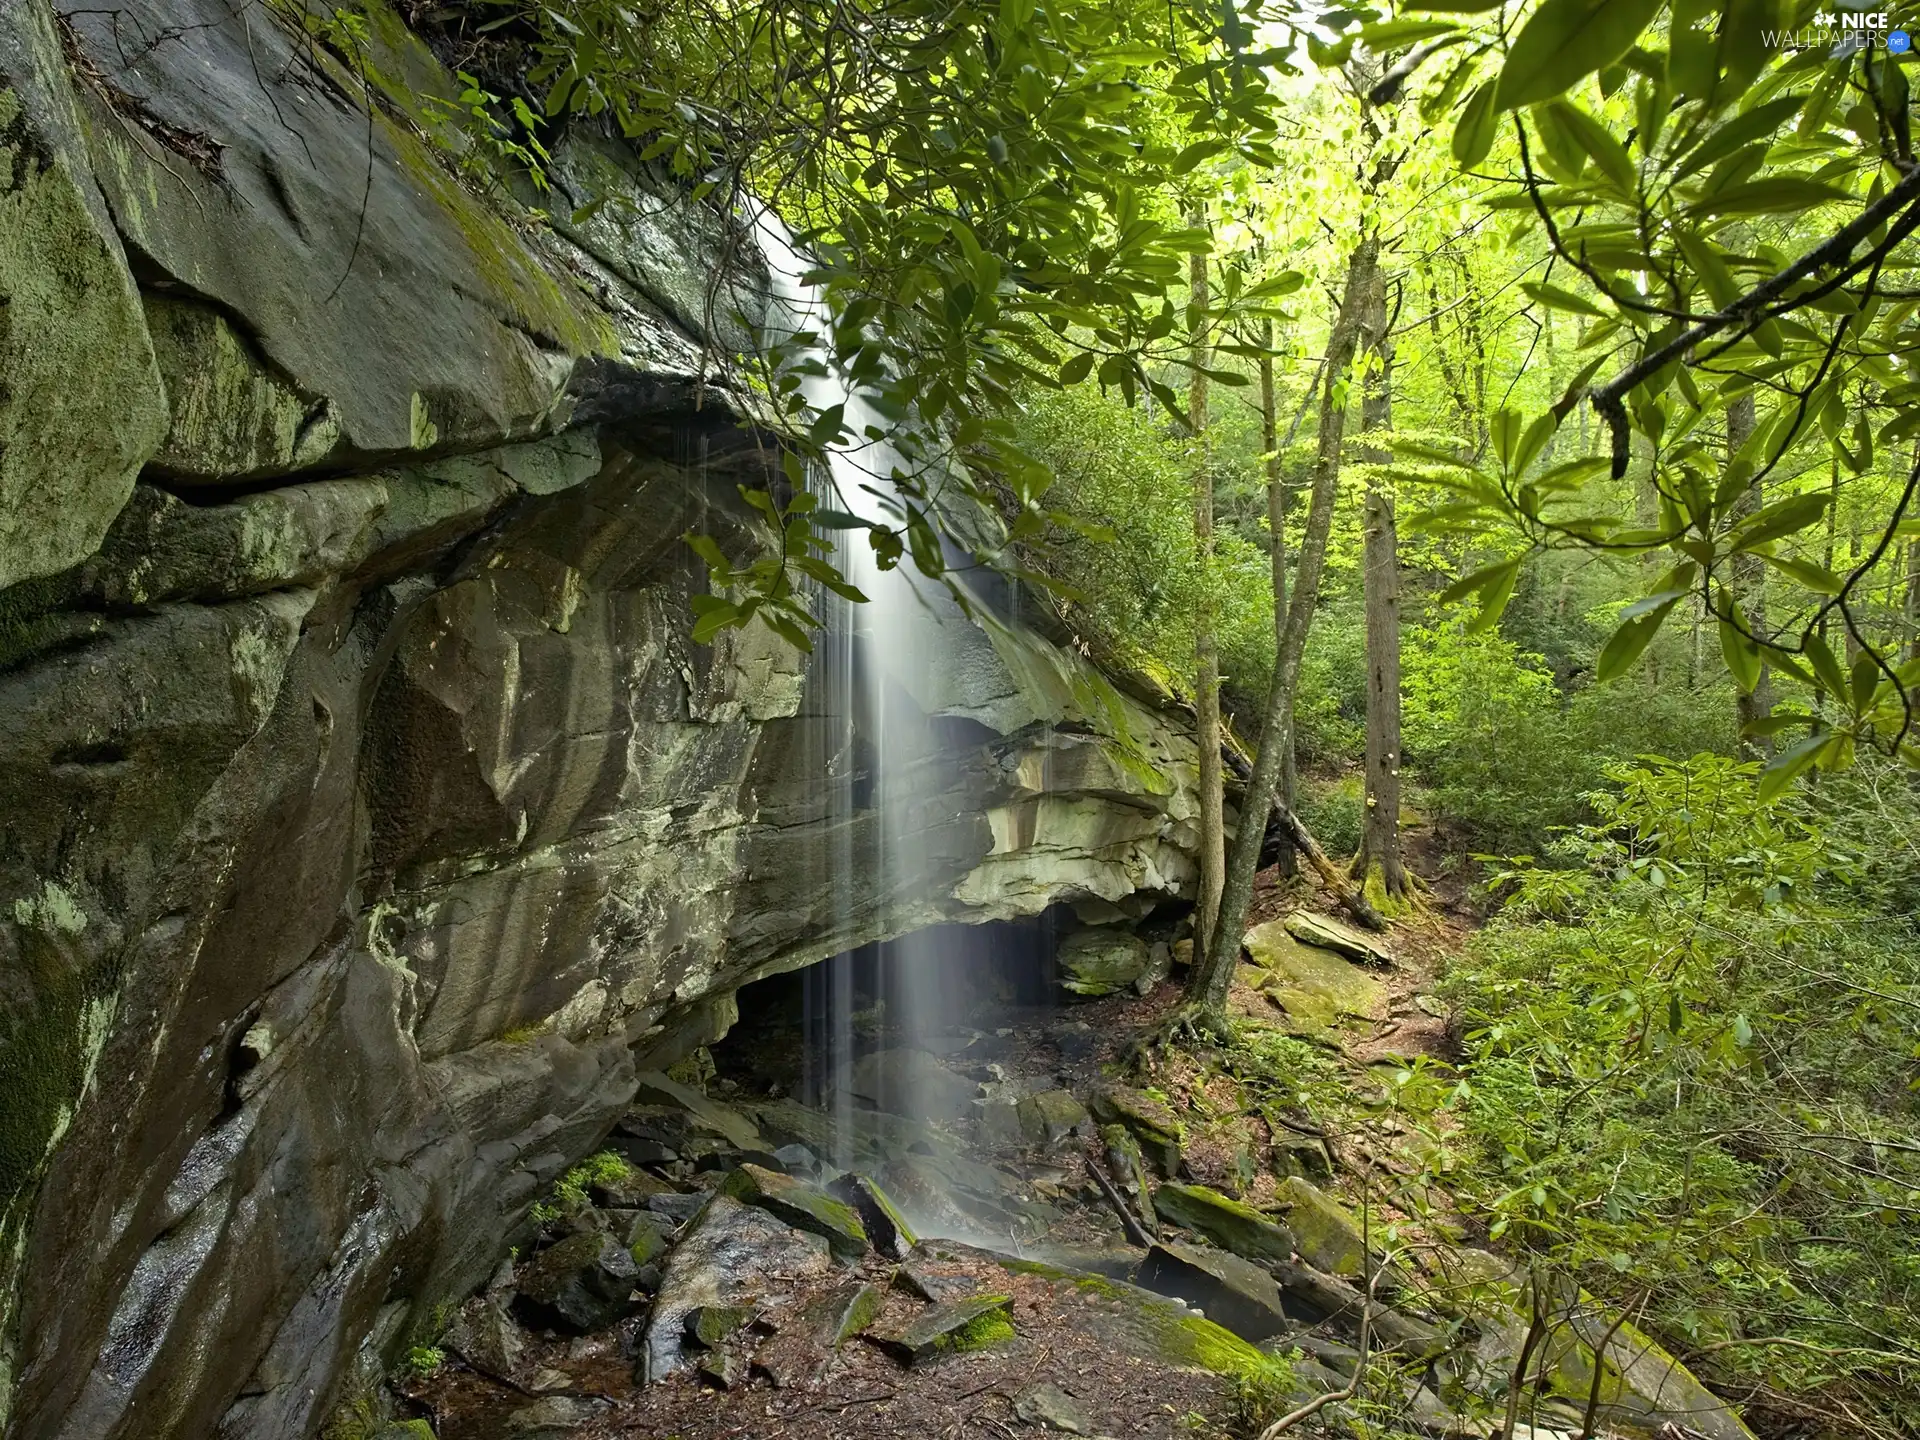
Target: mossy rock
pixel 405 1430
pixel 1318 989
pixel 957 1326
pixel 803 1206
pixel 1325 1233
pixel 1228 1223
pixel 1101 962
pixel 1151 1122
pixel 1151 1326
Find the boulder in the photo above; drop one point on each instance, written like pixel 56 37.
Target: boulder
pixel 951 1328
pixel 1051 1408
pixel 1230 1291
pixel 1318 989
pixel 1324 1232
pixel 887 1229
pixel 405 1430
pixel 1100 962
pixel 1230 1224
pixel 801 1205
pixel 908 1082
pixel 1150 1121
pixel 801 1346
pixel 580 1284
pixel 484 1335
pixel 704 1115
pixel 1051 1116
pixel 554 1417
pixel 1326 933
pixel 732 1254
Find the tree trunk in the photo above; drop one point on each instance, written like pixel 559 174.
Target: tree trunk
pixel 1749 588
pixel 1206 689
pixel 1214 965
pixel 1380 835
pixel 1277 555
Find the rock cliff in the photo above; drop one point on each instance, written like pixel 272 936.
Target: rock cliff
pixel 367 815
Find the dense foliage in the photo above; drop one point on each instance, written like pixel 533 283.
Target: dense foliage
pixel 1691 1077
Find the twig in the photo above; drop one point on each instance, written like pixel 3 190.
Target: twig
pixel 1132 1226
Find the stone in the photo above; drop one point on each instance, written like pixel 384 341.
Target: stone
pixel 703 1114
pixel 797 1160
pixel 709 1325
pixel 796 1354
pixel 723 1369
pixel 930 1285
pixel 1317 988
pixel 676 1205
pixel 1051 1116
pixel 887 1229
pixel 801 1205
pixel 547 1379
pixel 1183 953
pixel 1149 1120
pixel 908 1082
pixel 1051 1408
pixel 580 1284
pixel 1099 962
pixel 1301 1155
pixel 1128 1168
pixel 647 1236
pixel 553 1417
pixel 1230 1291
pixel 1076 1040
pixel 731 1255
pixel 628 1191
pixel 483 1334
pixel 1325 933
pixel 950 1328
pixel 1230 1224
pixel 1159 967
pixel 1326 1235
pixel 405 1430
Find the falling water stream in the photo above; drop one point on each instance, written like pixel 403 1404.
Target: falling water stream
pixel 873 658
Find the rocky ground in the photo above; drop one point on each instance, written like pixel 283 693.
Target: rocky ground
pixel 1088 1243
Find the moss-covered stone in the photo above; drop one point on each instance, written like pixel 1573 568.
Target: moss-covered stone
pixel 710 1325
pixel 1326 1235
pixel 1317 988
pixel 1101 962
pixel 970 1324
pixel 405 1430
pixel 231 418
pixel 886 1227
pixel 1152 1326
pixel 81 400
pixel 1325 933
pixel 802 1206
pixel 1229 1224
pixel 1051 1116
pixel 1151 1122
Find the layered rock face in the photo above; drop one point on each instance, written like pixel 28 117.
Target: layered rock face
pixel 367 815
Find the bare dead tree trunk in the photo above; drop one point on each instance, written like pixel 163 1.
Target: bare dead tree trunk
pixel 1214 965
pixel 1749 588
pixel 1206 689
pixel 1277 555
pixel 1380 835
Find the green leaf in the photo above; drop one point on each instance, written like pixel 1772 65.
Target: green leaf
pixel 1739 651
pixel 1386 35
pixel 714 620
pixel 1863 678
pixel 1473 133
pixel 1779 519
pixel 1785 767
pixel 1773 195
pixel 1608 153
pixel 1625 645
pixel 1758 124
pixel 1816 578
pixel 1564 41
pixel 1825 667
pixel 1556 298
pixel 1077 368
pixel 1505 433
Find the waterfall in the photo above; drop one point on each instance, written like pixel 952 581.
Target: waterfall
pixel 872 659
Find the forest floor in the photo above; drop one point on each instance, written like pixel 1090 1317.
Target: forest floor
pixel 1084 1352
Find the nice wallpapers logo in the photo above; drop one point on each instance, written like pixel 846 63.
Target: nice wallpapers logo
pixel 1844 31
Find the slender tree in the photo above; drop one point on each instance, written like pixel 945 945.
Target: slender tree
pixel 1277 556
pixel 1206 689
pixel 1215 961
pixel 1380 835
pixel 1749 589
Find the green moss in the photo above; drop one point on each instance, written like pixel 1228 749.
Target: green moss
pixel 1159 1327
pixel 423 1360
pixel 535 299
pixel 991 1328
pixel 605 1168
